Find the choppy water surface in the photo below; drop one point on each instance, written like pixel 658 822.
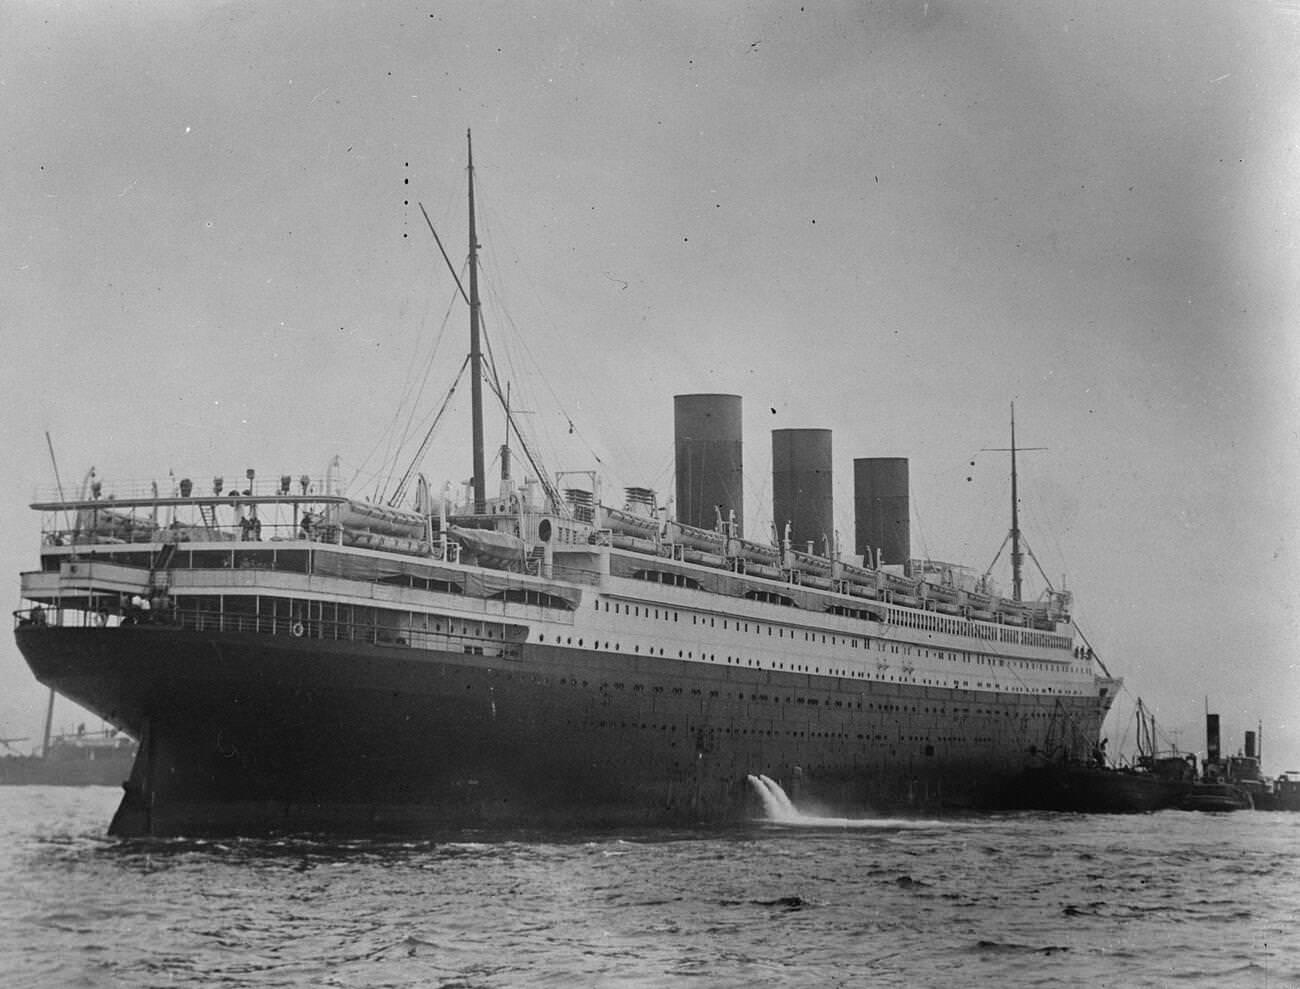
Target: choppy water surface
pixel 1156 900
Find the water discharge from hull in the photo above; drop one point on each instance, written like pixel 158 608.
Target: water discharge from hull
pixel 780 809
pixel 776 804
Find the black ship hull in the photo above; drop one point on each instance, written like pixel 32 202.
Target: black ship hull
pixel 1216 797
pixel 1099 790
pixel 244 734
pixel 1285 797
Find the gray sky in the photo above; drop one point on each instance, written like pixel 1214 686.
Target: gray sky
pixel 888 219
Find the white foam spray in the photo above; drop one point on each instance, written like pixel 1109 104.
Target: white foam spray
pixel 780 809
pixel 776 804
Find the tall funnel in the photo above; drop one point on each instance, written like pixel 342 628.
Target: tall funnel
pixel 1211 738
pixel 801 486
pixel 881 509
pixel 707 429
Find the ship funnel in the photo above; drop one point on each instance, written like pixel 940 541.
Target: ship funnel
pixel 802 493
pixel 1211 738
pixel 707 431
pixel 881 509
pixel 1250 745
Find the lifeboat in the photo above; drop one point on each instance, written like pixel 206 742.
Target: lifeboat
pixel 363 516
pixel 637 545
pixel 392 544
pixel 705 559
pixel 809 563
pixel 752 552
pixel 488 545
pixel 631 524
pixel 702 539
pixel 115 526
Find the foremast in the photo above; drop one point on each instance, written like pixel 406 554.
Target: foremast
pixel 475 346
pixel 1017 554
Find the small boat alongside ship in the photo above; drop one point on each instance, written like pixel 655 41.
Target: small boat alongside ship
pixel 1091 784
pixel 294 658
pixel 1159 780
pixel 76 758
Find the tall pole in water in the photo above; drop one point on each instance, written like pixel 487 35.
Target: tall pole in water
pixel 475 351
pixel 1017 557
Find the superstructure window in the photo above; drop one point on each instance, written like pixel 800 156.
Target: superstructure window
pixel 667 577
pixel 520 595
pixel 770 597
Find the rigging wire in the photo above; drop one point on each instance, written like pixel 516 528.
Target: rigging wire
pixel 412 402
pixel 450 267
pixel 392 438
pixel 1038 508
pixel 570 421
pixel 925 548
pixel 428 437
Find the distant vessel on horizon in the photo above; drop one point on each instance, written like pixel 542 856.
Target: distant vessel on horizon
pixel 292 658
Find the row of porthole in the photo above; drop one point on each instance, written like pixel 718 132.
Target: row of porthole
pixel 842 736
pixel 853 640
pixel 892 708
pixel 850 674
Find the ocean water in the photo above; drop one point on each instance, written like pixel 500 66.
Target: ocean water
pixel 1169 899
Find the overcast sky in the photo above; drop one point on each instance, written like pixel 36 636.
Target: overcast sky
pixel 889 219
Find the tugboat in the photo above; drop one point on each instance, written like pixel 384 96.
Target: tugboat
pixel 1245 771
pixel 1225 784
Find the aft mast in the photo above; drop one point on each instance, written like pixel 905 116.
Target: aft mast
pixel 1017 541
pixel 475 349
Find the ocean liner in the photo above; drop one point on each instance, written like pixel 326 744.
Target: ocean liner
pixel 293 659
